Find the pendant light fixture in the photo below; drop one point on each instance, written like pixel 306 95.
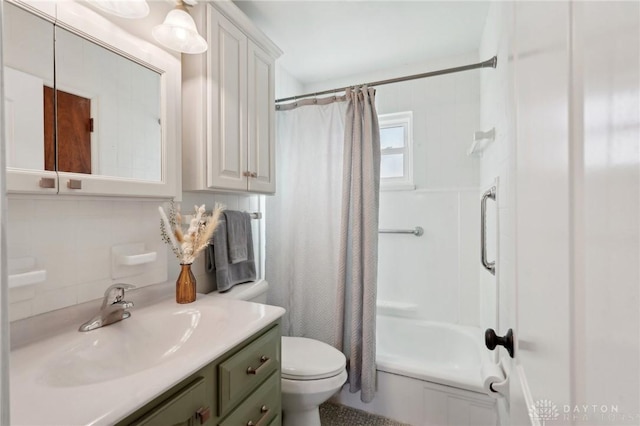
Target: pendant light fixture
pixel 178 31
pixel 130 9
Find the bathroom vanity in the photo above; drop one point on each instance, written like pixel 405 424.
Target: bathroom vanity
pixel 211 362
pixel 241 387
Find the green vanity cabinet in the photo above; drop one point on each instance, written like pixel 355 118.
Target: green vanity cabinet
pixel 242 387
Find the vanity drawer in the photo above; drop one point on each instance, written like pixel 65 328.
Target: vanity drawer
pixel 181 409
pixel 261 408
pixel 244 371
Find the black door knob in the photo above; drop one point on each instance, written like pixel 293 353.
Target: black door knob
pixel 491 339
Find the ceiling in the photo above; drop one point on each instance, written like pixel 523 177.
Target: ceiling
pixel 324 40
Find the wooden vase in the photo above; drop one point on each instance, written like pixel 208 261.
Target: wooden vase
pixel 185 284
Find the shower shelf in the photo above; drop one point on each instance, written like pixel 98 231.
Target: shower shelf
pixel 480 142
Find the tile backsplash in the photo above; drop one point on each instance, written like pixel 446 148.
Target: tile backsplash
pixel 71 240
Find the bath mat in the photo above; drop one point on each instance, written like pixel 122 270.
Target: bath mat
pixel 339 415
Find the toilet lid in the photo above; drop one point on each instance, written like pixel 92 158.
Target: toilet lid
pixel 308 359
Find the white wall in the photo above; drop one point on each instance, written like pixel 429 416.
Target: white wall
pixel 437 271
pixel 286 84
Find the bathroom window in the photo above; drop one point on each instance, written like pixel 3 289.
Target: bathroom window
pixel 396 145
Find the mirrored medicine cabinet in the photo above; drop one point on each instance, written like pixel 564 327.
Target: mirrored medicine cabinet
pixel 89 109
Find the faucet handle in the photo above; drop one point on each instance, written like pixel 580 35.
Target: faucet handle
pixel 118 289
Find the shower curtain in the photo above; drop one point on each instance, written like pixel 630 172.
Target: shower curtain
pixel 322 227
pixel 358 268
pixel 303 219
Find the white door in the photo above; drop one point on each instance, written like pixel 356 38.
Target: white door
pixel 539 300
pixel 577 176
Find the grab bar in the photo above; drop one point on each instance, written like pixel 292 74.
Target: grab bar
pixel 417 231
pixel 489 266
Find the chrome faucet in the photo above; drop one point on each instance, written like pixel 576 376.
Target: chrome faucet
pixel 114 308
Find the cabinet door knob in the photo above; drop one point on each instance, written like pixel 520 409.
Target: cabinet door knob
pixel 246 174
pixel 253 175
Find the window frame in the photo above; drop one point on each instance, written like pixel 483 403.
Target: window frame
pixel 399 119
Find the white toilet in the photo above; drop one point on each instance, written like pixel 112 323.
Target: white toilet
pixel 312 371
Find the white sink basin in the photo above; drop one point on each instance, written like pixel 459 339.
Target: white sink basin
pixel 143 341
pixel 112 371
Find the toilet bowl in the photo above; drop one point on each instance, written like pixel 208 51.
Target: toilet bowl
pixel 312 371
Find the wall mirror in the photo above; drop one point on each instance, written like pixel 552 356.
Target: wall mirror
pixel 90 109
pixel 108 112
pixel 28 58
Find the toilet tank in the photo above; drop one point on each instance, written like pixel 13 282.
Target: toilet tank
pixel 255 291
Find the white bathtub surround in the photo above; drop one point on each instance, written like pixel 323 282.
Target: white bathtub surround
pixel 358 261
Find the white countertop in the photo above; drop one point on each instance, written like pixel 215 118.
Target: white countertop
pixel 61 380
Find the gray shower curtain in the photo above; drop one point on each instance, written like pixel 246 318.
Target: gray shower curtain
pixel 358 260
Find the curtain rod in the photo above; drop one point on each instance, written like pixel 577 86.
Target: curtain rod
pixel 491 63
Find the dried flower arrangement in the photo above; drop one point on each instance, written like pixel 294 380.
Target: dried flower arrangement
pixel 188 245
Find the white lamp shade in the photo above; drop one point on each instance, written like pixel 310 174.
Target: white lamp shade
pixel 178 32
pixel 132 9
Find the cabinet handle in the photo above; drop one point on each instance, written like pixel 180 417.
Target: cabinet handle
pixel 203 414
pixel 253 175
pixel 246 174
pixel 265 415
pixel 263 362
pixel 74 184
pixel 47 183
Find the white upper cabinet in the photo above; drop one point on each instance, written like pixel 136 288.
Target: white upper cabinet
pixel 90 109
pixel 229 98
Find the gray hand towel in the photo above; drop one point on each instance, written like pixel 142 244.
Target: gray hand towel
pixel 237 225
pixel 227 274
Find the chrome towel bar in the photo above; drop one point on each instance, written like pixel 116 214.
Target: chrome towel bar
pixel 417 231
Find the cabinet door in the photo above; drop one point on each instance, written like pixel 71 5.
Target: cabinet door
pixel 227 90
pixel 261 97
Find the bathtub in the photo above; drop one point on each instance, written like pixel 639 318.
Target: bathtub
pixel 428 374
pixel 435 352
